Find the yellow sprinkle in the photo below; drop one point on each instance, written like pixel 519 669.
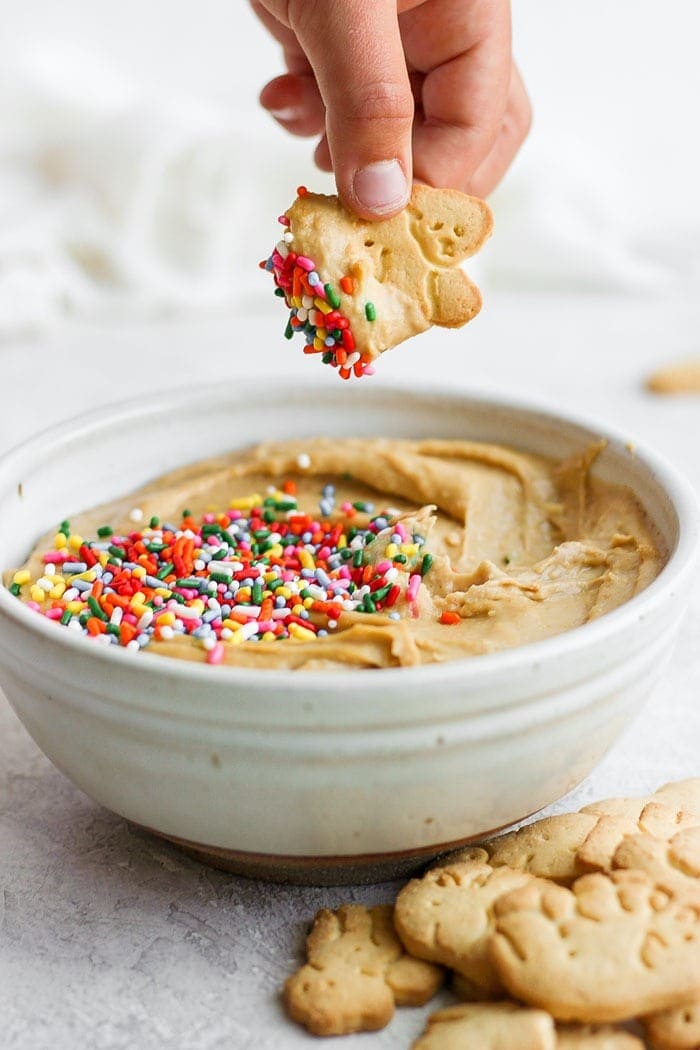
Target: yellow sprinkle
pixel 233 625
pixel 306 560
pixel 236 639
pixel 268 636
pixel 75 606
pixel 322 305
pixel 103 558
pixel 296 301
pixel 75 541
pixel 409 549
pixel 60 541
pixel 243 595
pixel 391 550
pixel 270 576
pixel 321 333
pixel 22 576
pixel 58 589
pixel 342 542
pixel 246 502
pixel 138 571
pixel 319 344
pixel 302 633
pixel 308 602
pixel 89 576
pixel 284 592
pixel 197 604
pixel 36 593
pixel 162 591
pixel 138 599
pixel 166 619
pixel 276 551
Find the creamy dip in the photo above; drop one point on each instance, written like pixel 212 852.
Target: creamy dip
pixel 364 553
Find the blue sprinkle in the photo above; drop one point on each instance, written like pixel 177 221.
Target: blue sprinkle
pixel 308 574
pixel 394 616
pixel 329 340
pixel 269 265
pixel 304 614
pixel 280 602
pixel 321 633
pixel 313 279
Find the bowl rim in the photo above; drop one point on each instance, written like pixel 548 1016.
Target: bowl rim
pixel 471 670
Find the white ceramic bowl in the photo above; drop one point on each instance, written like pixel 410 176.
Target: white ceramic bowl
pixel 324 777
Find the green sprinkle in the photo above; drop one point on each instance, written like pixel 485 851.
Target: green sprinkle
pixel 112 628
pixel 357 559
pixel 332 296
pixel 289 331
pixel 97 609
pixel 228 538
pixel 327 357
pixel 506 560
pixel 279 292
pixel 83 619
pixel 15 589
pixel 211 530
pixel 187 513
pixel 337 334
pixel 220 577
pixel 425 564
pixel 370 312
pixel 156 548
pixel 220 555
pixel 67 617
pixel 286 504
pixel 400 558
pixel 64 527
pixel 368 604
pixel 257 593
pixel 154 522
pixel 165 571
pixel 105 530
pixel 381 594
pixel 274 584
pixel 117 552
pixel 269 516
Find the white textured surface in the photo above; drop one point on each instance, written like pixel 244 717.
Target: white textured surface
pixel 110 939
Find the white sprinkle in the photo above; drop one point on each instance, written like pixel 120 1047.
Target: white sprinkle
pixel 248 630
pixel 208 643
pixel 117 614
pixel 332 624
pixel 303 461
pixel 307 302
pixel 199 564
pixel 184 612
pixel 302 314
pixel 288 237
pixel 133 646
pixel 45 584
pixel 166 632
pixel 145 620
pixel 49 570
pixel 136 514
pixel 282 249
pixel 352 359
pixel 226 633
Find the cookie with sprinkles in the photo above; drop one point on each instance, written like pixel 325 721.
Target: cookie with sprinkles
pixel 355 288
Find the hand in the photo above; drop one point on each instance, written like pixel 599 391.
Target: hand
pixel 419 89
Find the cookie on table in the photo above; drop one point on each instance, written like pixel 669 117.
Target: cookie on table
pixel 447 917
pixel 673 865
pixel 596 1037
pixel 655 820
pixel 355 288
pixel 488 1026
pixel 357 971
pixel 677 1029
pixel 610 948
pixel 547 848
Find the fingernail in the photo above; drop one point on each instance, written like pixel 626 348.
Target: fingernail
pixel 287 113
pixel 381 187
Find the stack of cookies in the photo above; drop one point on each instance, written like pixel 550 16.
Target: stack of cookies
pixel 557 935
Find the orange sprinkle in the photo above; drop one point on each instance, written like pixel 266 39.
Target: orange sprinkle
pixel 348 285
pixel 450 618
pixel 96 626
pixel 97 589
pixel 127 633
pixel 266 609
pixel 289 487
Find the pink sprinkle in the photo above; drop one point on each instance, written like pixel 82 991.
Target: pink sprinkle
pixel 53 614
pixel 129 617
pixel 368 370
pixel 344 572
pixel 216 655
pixel 320 291
pixel 345 507
pixel 34 605
pixel 234 515
pixel 382 567
pixel 55 558
pixel 266 625
pixel 283 220
pixel 412 589
pixel 304 262
pixel 208 519
pixel 400 530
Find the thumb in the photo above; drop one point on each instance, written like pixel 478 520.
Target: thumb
pixel 356 53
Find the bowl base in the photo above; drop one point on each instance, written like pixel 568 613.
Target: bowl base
pixel 357 869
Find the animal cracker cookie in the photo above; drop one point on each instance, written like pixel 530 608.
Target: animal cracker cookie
pixel 596 1037
pixel 677 1029
pixel 612 947
pixel 488 1026
pixel 674 865
pixel 356 972
pixel 655 819
pixel 547 848
pixel 356 288
pixel 447 917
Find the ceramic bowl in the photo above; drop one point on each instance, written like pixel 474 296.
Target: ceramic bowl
pixel 325 777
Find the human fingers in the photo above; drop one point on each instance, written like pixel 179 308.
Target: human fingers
pixel 294 101
pixel 514 129
pixel 462 49
pixel 356 53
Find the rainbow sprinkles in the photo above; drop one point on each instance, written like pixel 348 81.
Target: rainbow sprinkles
pixel 261 571
pixel 315 306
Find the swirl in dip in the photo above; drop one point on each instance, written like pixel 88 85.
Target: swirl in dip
pixel 336 553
